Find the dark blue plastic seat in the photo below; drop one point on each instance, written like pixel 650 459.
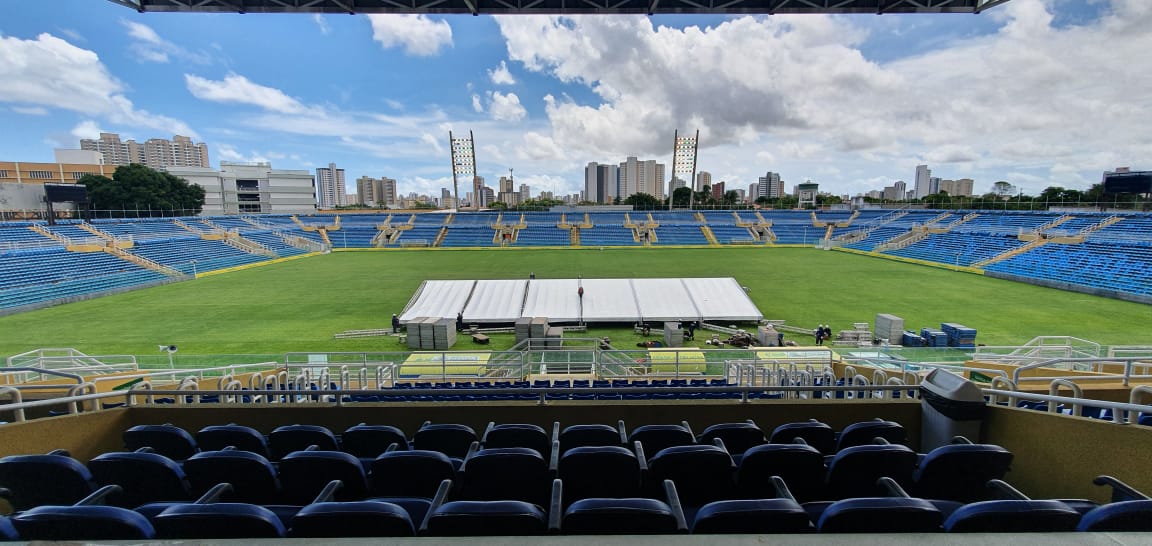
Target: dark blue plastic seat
pixel 168 440
pixel 517 435
pixel 304 474
pixel 288 438
pixel 657 437
pixel 508 473
pixel 631 516
pixel 142 477
pixel 855 470
pixel 600 471
pixel 369 441
pixel 1013 516
pixel 737 437
pixel 815 433
pixel 864 432
pixel 801 467
pixel 217 437
pixel 1133 515
pixel 880 515
pixel 82 523
pixel 252 477
pixel 416 473
pixel 7 530
pixel 757 516
pixel 38 480
pixel 450 439
pixel 486 518
pixel 590 435
pixel 958 472
pixel 217 521
pixel 702 474
pixel 352 519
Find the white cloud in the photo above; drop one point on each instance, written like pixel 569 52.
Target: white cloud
pixel 321 22
pixel 799 92
pixel 477 105
pixel 227 152
pixel 87 129
pixel 419 35
pixel 149 46
pixel 30 110
pixel 500 75
pixel 235 88
pixel 50 72
pixel 540 147
pixel 505 107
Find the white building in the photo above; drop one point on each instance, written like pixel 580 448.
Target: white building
pixel 641 177
pixel 703 178
pixel 600 182
pixel 923 186
pixel 250 188
pixel 330 186
pixel 156 153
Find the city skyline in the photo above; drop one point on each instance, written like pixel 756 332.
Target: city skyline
pixel 1033 92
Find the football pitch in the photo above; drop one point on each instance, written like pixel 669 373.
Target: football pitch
pixel 299 305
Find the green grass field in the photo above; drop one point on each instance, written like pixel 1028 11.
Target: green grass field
pixel 299 305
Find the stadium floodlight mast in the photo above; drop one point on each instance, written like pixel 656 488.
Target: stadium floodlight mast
pixel 684 162
pixel 171 349
pixel 463 162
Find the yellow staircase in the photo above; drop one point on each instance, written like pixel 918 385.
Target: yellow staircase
pixel 587 221
pixel 701 218
pixel 652 223
pixel 740 221
pixel 303 226
pixel 563 223
pixel 49 234
pixel 628 223
pixel 92 229
pixel 574 235
pixel 761 218
pixel 324 235
pixel 1037 242
pixel 848 222
pixel 903 240
pixel 828 232
pixel 707 231
pixel 450 218
pixel 440 236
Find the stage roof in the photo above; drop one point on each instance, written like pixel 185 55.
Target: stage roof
pixel 604 300
pixel 560 7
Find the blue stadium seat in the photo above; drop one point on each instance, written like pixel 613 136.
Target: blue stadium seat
pixel 880 515
pixel 517 435
pixel 657 437
pixel 958 472
pixel 352 519
pixel 482 518
pixel 217 437
pixel 625 516
pixel 450 439
pixel 1016 513
pixel 84 521
pixel 143 478
pixel 369 441
pixel 1130 510
pixel 815 433
pixel 600 471
pixel 702 474
pixel 304 474
pixel 218 521
pixel 506 473
pixel 801 466
pixel 854 470
pixel 863 433
pixel 737 437
pixel 170 441
pixel 252 477
pixel 289 438
pixel 38 480
pixel 7 531
pixel 415 473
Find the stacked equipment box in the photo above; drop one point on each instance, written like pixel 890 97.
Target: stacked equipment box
pixel 959 335
pixel 673 335
pixel 523 328
pixel 912 339
pixel 431 333
pixel 933 337
pixel 890 327
pixel 538 329
pixel 554 337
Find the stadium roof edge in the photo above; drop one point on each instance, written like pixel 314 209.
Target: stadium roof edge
pixel 563 7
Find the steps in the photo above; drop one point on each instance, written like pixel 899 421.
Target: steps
pixel 1037 242
pixel 324 235
pixel 709 235
pixel 142 261
pixel 440 236
pixel 903 240
pixel 49 234
pixel 575 237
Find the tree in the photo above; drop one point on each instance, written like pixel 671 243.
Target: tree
pixel 1003 189
pixel 143 191
pixel 681 197
pixel 643 201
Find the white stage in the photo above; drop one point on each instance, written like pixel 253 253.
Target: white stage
pixel 604 300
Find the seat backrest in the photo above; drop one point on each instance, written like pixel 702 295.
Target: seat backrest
pixel 303 474
pixel 168 440
pixel 252 477
pixel 487 518
pixel 601 471
pixel 632 516
pixel 702 473
pixel 958 472
pixel 1134 515
pixel 518 435
pixel 880 515
pixel 415 473
pixel 351 519
pixel 817 434
pixel 82 523
pixel 220 520
pixel 37 480
pixel 7 530
pixel 509 473
pixel 1012 516
pixel 658 437
pixel 800 466
pixel 737 437
pixel 863 433
pixel 854 470
pixel 749 517
pixel 574 436
pixel 450 439
pixel 217 437
pixel 142 477
pixel 372 440
pixel 288 438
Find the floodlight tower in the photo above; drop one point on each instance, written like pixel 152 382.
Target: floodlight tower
pixel 463 162
pixel 684 162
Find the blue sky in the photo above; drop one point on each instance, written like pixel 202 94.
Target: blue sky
pixel 1036 92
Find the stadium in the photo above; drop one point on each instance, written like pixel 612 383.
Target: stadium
pixel 279 374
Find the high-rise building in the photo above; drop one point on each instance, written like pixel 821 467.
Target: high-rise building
pixel 923 185
pixel 376 191
pixel 638 176
pixel 769 186
pixel 703 178
pixel 477 194
pixel 506 184
pixel 156 153
pixel 525 193
pixel 330 186
pixel 718 190
pixel 487 196
pixel 895 192
pixel 600 182
pixel 958 188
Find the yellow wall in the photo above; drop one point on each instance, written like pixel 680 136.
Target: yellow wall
pixel 19 171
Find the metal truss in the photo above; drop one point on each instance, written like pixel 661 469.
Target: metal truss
pixel 496 7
